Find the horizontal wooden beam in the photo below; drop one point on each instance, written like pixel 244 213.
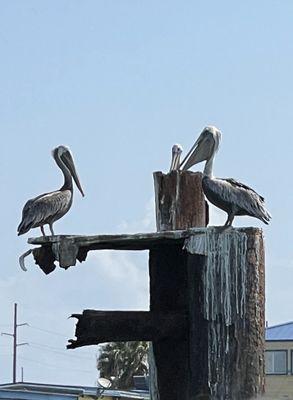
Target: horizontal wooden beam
pixel 95 327
pixel 68 249
pixel 143 241
pixel 136 241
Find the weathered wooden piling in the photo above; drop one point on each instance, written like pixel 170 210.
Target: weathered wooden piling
pixel 180 202
pixel 224 300
pixel 206 317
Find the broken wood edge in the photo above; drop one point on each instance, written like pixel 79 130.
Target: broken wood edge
pixel 45 258
pixel 95 326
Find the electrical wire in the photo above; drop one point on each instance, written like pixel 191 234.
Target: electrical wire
pixel 48 331
pixel 61 352
pixel 52 366
pixel 52 349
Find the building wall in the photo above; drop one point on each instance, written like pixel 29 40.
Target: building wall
pixel 91 398
pixel 280 386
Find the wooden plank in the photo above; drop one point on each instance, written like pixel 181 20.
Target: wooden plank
pixel 95 327
pixel 135 241
pixel 67 249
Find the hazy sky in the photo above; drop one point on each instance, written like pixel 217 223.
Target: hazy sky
pixel 120 82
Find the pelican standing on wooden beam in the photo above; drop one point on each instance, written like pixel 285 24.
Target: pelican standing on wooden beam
pixel 234 197
pixel 49 207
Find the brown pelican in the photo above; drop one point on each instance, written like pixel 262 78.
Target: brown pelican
pixel 232 196
pixel 176 153
pixel 49 207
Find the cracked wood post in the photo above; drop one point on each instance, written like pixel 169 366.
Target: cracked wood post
pixel 180 204
pixel 222 291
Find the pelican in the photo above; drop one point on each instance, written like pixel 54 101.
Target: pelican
pixel 234 197
pixel 49 207
pixel 176 153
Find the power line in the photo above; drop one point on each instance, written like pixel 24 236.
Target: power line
pixel 14 336
pixel 48 348
pixel 48 331
pixel 53 347
pixel 53 366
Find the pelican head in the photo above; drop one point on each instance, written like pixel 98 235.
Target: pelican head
pixel 204 148
pixel 176 153
pixel 63 157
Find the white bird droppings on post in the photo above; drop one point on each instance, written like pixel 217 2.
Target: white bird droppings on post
pixel 225 268
pixel 225 275
pixel 224 283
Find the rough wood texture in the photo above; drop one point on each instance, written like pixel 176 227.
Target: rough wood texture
pixel 45 258
pixel 224 299
pixel 67 249
pixel 180 202
pixel 227 329
pixel 198 328
pixel 136 241
pixel 95 327
pixel 254 340
pixel 213 279
pixel 168 292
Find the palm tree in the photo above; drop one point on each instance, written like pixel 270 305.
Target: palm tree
pixel 123 360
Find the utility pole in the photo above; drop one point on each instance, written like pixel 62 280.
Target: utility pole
pixel 15 344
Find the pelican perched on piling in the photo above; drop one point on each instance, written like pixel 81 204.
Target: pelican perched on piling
pixel 234 197
pixel 175 161
pixel 49 207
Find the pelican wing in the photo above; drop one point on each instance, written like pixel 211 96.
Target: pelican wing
pixel 244 200
pixel 242 185
pixel 44 209
pixel 235 198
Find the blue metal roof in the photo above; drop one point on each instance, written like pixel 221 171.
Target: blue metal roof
pixel 39 391
pixel 7 394
pixel 280 332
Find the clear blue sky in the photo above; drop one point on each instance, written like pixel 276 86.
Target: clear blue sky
pixel 120 82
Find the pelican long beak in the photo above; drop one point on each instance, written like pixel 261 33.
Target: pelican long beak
pixel 200 151
pixel 68 160
pixel 175 163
